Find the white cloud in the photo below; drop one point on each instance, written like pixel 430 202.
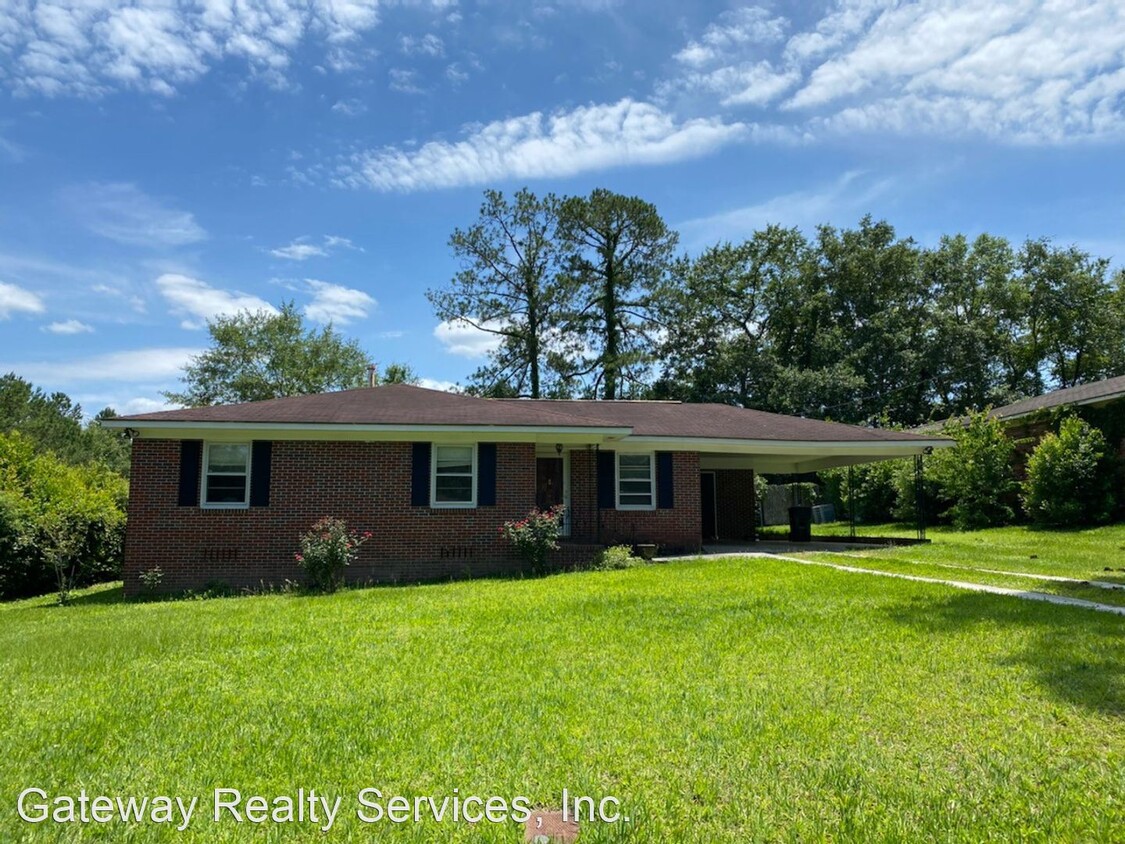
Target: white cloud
pixel 61 47
pixel 733 30
pixel 756 83
pixel 135 301
pixel 462 339
pixel 444 386
pixel 1026 72
pixel 143 404
pixel 456 74
pixel 351 107
pixel 404 81
pixel 298 251
pixel 303 248
pixel 1033 71
pixel 428 45
pixel 199 302
pixel 14 299
pixel 334 240
pixel 70 326
pixel 137 365
pixel 587 138
pixel 336 303
pixel 850 195
pixel 124 213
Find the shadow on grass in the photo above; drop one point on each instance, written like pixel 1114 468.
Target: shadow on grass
pixel 113 595
pixel 1077 655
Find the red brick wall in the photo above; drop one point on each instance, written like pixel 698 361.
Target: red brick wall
pixel 367 484
pixel 734 491
pixel 678 528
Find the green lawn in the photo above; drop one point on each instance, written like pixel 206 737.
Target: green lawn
pixel 1095 554
pixel 723 700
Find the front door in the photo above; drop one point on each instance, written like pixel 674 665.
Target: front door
pixel 549 490
pixel 707 505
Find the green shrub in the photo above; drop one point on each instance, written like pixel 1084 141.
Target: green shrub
pixel 535 536
pixel 614 558
pixel 803 494
pixel 326 550
pixel 1069 477
pixel 152 578
pixel 871 490
pixel 975 476
pixel 60 525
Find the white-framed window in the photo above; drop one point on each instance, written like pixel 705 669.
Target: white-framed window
pixel 453 476
pixel 226 475
pixel 636 481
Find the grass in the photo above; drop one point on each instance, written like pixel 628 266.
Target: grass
pixel 975 557
pixel 741 699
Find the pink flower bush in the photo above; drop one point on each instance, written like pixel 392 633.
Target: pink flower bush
pixel 535 536
pixel 326 550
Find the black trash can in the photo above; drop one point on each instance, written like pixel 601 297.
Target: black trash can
pixel 800 524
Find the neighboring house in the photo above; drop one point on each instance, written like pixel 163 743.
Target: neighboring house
pixel 221 494
pixel 1101 403
pixel 1094 394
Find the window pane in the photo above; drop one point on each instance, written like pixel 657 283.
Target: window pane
pixel 456 489
pixel 636 487
pixel 454 460
pixel 635 461
pixel 227 458
pixel 631 473
pixel 223 489
pixel 636 500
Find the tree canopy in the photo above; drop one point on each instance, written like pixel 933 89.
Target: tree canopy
pixel 260 355
pixel 842 323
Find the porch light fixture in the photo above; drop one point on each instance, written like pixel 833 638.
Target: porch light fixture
pixel 558 449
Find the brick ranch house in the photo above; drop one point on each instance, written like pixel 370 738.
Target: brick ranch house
pixel 221 494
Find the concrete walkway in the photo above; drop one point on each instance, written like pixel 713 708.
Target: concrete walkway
pixel 956 584
pixel 1054 578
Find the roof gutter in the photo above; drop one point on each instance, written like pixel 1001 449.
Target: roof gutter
pixel 181 429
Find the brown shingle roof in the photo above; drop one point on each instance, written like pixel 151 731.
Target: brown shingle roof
pixel 721 421
pixel 402 404
pixel 388 404
pixel 1096 391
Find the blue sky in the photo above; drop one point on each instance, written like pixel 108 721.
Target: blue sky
pixel 163 162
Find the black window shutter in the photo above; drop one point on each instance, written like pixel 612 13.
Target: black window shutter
pixel 261 452
pixel 664 485
pixel 607 479
pixel 420 476
pixel 486 475
pixel 191 456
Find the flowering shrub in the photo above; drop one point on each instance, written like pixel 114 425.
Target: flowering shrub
pixel 535 536
pixel 326 550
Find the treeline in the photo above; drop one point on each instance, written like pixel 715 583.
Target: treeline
pixel 63 492
pixel 591 297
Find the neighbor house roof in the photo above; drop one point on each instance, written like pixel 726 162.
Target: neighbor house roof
pixel 1096 392
pixel 402 405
